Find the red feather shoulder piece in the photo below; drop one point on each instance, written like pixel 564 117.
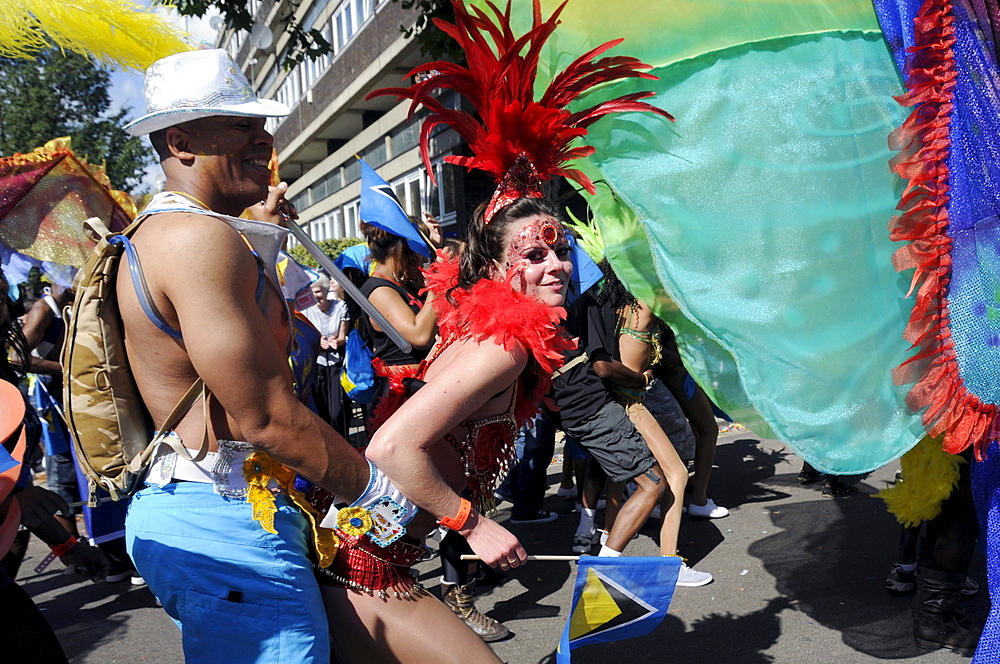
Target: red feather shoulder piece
pixel 500 86
pixel 493 310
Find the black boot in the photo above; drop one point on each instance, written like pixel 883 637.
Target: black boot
pixel 934 621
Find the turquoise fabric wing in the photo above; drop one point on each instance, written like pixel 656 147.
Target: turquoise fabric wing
pixel 766 210
pixel 761 215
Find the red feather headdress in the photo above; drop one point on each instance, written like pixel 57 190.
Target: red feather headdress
pixel 517 140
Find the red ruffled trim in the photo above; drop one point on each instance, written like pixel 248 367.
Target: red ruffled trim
pixel 493 310
pixel 924 144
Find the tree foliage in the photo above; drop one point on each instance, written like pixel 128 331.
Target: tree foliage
pixel 302 43
pixel 432 42
pixel 310 43
pixel 331 247
pixel 64 94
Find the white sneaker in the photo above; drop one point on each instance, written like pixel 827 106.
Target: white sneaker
pixel 692 578
pixel 582 543
pixel 707 511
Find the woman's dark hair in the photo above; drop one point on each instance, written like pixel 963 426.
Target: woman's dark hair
pixel 12 339
pixel 384 246
pixel 486 243
pixel 613 291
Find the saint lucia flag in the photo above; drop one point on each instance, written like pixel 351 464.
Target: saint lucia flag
pixel 617 598
pixel 381 208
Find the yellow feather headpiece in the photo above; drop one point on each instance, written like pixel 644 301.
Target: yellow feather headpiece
pixel 118 33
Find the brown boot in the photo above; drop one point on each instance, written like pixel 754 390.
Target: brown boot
pixel 459 600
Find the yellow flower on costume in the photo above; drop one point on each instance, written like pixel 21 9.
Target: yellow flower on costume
pixel 258 469
pixel 354 521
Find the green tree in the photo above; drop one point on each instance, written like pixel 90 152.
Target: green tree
pixel 310 43
pixel 331 247
pixel 433 43
pixel 301 43
pixel 64 94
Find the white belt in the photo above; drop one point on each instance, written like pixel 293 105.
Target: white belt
pixel 223 469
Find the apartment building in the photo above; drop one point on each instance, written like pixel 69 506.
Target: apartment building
pixel 331 122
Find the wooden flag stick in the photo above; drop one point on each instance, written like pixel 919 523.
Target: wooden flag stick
pixel 550 558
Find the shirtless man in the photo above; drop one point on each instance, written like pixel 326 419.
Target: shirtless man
pixel 239 592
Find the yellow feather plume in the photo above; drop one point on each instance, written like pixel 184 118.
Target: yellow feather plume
pixel 929 476
pixel 118 33
pixel 589 235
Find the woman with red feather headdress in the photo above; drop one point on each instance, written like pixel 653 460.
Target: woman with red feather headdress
pixel 499 311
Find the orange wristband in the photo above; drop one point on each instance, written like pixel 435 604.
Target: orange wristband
pixel 458 521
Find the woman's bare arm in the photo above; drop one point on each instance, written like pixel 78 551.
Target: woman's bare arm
pixel 419 329
pixel 475 373
pixel 636 354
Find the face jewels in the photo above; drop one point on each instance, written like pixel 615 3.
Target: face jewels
pixel 541 229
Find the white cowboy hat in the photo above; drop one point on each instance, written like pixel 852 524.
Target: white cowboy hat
pixel 198 84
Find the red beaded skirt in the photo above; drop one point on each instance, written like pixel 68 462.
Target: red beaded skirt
pixel 362 565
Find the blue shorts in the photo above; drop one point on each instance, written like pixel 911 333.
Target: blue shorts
pixel 239 593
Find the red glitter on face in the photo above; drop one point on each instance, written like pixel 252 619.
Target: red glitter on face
pixel 540 229
pixel 537 259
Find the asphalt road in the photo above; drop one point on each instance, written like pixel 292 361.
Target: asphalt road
pixel 798 579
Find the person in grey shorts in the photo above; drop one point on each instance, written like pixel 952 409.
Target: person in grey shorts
pixel 587 413
pixel 663 406
pixel 613 441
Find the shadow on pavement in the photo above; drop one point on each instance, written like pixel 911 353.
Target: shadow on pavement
pixel 831 557
pixel 751 484
pixel 751 473
pixel 709 639
pixel 85 613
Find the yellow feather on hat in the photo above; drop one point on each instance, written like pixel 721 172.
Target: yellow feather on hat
pixel 118 33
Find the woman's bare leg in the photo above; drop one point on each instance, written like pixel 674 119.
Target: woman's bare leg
pixel 698 410
pixel 369 630
pixel 674 471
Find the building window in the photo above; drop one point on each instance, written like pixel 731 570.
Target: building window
pixel 338 224
pixel 351 220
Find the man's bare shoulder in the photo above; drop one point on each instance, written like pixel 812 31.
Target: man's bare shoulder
pixel 193 243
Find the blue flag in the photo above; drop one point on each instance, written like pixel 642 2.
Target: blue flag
pixel 355 256
pixel 6 460
pixel 586 273
pixel 55 435
pixel 617 598
pixel 381 208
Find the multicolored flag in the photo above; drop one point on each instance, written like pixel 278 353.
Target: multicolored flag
pixel 381 208
pixel 617 598
pixel 45 196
